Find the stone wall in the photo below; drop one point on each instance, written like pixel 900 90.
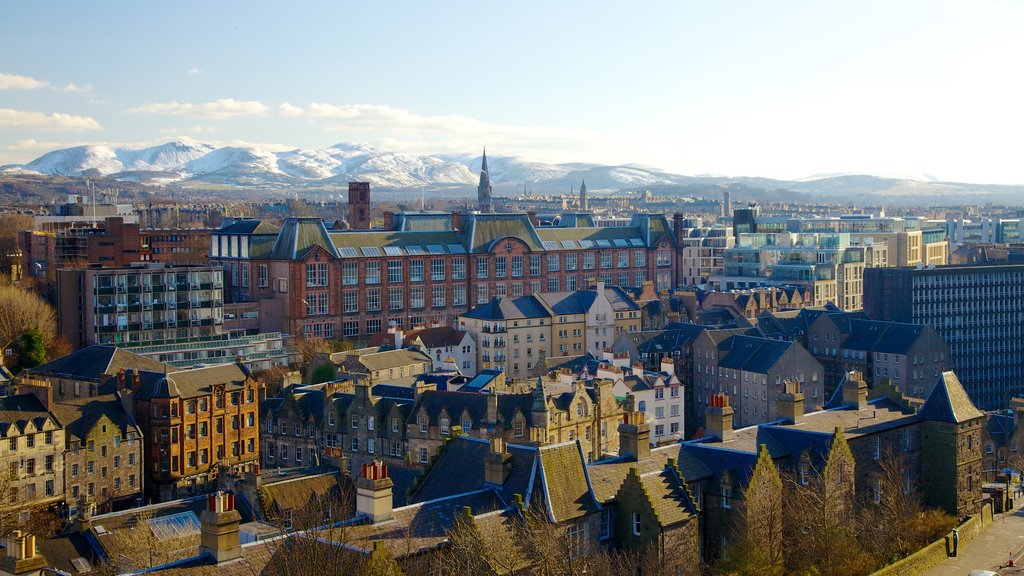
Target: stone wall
pixel 934 553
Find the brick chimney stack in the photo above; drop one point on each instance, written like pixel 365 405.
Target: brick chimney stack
pixel 218 524
pixel 373 492
pixel 635 436
pixel 718 418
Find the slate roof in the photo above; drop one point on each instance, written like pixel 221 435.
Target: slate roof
pixel 1002 426
pixel 18 410
pixel 184 383
pixel 392 359
pixel 96 363
pixel 460 469
pixel 510 309
pixel 949 402
pixel 606 475
pixel 423 222
pixel 566 485
pixel 249 226
pixel 668 497
pixel 481 381
pixel 296 493
pixel 481 231
pixel 351 243
pixel 751 353
pixel 415 528
pixel 438 337
pixel 300 235
pixel 879 336
pixel 575 302
pixel 80 415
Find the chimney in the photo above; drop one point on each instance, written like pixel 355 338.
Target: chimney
pixel 621 360
pixel 120 379
pixel 635 436
pixel 219 538
pixel 492 407
pixel 136 379
pixel 373 492
pixel 533 218
pixel 677 226
pixel 38 388
pixel 791 402
pixel 855 390
pixel 82 521
pixel 718 418
pixel 456 220
pixel 421 386
pixel 607 355
pixel 389 220
pixel 566 376
pixel 497 463
pixel 668 366
pixel 20 556
pixel 638 368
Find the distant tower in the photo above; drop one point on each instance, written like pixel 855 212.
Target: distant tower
pixel 726 205
pixel 359 205
pixel 483 191
pixel 583 197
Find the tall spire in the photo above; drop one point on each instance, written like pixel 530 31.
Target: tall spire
pixel 483 191
pixel 583 196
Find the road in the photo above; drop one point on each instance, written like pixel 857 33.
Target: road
pixel 991 550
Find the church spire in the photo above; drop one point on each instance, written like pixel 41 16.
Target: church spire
pixel 483 191
pixel 583 196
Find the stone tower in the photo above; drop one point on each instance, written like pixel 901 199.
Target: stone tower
pixel 951 448
pixel 583 196
pixel 483 191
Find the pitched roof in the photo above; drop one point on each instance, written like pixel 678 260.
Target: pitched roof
pixel 575 302
pixel 566 485
pixel 668 496
pixel 949 402
pixel 80 415
pixel 184 383
pixel 249 226
pixel 392 359
pixel 300 235
pixel 438 337
pixel 481 231
pixel 606 475
pixel 18 410
pixel 95 363
pixel 510 309
pixel 460 469
pixel 296 493
pixel 751 353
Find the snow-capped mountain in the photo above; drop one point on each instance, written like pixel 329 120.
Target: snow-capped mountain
pixel 249 166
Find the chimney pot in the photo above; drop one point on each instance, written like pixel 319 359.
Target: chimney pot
pixel 718 418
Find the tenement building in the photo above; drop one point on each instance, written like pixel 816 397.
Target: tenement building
pixel 975 309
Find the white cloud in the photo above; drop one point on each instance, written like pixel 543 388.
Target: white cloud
pixel 16 82
pixel 193 71
pixel 10 118
pixel 401 130
pixel 216 110
pixel 197 129
pixel 72 87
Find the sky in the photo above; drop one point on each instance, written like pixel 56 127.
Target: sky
pixel 776 89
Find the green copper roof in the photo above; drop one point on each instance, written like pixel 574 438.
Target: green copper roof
pixel 300 235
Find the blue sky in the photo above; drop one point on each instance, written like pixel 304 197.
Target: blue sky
pixel 778 89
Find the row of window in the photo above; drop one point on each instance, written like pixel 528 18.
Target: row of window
pixel 30 440
pixel 90 466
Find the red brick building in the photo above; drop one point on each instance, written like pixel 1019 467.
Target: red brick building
pixel 428 268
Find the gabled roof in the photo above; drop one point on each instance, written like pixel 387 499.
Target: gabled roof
pixel 510 309
pixel 438 337
pixel 667 495
pixel 949 402
pixel 80 415
pixel 481 231
pixel 184 383
pixel 460 469
pixel 575 302
pixel 751 353
pixel 566 485
pixel 18 411
pixel 392 359
pixel 96 363
pixel 300 235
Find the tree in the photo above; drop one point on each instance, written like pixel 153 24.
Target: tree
pixel 323 373
pixel 33 349
pixel 20 310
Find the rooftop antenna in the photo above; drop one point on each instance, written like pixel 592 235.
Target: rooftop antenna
pixel 423 200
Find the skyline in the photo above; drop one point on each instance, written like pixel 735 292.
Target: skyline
pixel 739 89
